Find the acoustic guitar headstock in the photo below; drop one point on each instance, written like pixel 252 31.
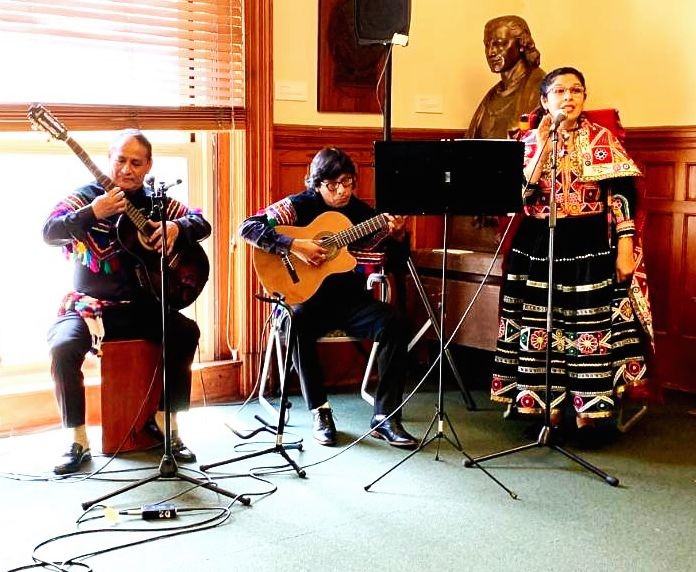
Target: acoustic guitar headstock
pixel 42 119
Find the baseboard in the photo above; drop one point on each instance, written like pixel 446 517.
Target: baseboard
pixel 25 411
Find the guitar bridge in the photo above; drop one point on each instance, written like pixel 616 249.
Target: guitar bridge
pixel 287 263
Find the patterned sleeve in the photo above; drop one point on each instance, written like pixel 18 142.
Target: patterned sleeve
pixel 622 204
pixel 530 144
pixel 259 229
pixel 70 220
pixel 190 221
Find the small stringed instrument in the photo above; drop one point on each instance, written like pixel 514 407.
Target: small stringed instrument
pixel 188 266
pixel 296 280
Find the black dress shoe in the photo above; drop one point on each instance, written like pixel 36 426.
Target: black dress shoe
pixel 154 431
pixel 392 432
pixel 323 428
pixel 72 459
pixel 179 451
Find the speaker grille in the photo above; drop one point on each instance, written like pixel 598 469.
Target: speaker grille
pixel 376 21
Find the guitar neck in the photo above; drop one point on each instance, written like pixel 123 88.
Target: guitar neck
pixel 138 218
pixel 358 231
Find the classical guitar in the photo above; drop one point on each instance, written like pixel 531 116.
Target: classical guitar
pixel 188 266
pixel 296 280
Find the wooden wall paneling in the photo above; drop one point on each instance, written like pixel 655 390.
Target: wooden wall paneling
pixel 667 158
pixel 687 317
pixel 659 227
pixel 295 145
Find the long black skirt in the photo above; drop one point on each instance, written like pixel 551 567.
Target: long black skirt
pixel 596 340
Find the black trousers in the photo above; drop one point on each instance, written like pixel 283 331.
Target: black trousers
pixel 69 341
pixel 361 316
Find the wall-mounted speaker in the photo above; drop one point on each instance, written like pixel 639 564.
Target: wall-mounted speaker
pixel 376 21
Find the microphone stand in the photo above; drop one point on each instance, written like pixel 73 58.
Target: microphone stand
pixel 279 447
pixel 432 320
pixel 440 415
pixel 547 434
pixel 168 469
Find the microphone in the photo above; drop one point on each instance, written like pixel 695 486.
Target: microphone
pixel 559 118
pixel 150 181
pixel 164 187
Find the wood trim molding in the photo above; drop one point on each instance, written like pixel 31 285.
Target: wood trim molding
pixel 22 410
pixel 90 117
pixel 662 138
pixel 258 29
pixel 312 138
pixel 223 235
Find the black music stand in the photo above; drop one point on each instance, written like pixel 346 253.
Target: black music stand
pixel 168 469
pixel 466 177
pixel 432 318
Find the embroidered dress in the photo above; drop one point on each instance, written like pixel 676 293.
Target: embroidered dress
pixel 597 342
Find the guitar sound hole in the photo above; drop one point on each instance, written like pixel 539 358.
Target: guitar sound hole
pixel 325 240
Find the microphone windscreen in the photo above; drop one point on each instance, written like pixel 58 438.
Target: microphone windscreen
pixel 559 118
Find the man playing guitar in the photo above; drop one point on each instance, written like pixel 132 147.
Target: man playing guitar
pixel 341 301
pixel 110 298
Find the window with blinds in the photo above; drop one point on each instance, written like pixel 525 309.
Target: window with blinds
pixel 160 64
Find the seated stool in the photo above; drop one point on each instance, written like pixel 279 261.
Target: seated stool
pixel 127 371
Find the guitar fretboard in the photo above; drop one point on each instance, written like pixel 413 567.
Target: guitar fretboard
pixel 357 232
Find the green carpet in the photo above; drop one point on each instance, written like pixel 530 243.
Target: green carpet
pixel 426 514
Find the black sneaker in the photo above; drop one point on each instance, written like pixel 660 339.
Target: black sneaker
pixel 323 428
pixel 72 459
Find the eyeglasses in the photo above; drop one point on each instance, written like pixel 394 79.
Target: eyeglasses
pixel 345 182
pixel 575 91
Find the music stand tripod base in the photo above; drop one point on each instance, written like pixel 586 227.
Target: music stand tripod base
pixel 279 447
pixel 440 415
pixel 546 435
pixel 545 439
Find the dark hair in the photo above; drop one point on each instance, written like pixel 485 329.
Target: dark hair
pixel 136 134
pixel 520 30
pixel 328 163
pixel 552 75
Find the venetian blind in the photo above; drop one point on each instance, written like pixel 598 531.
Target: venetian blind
pixel 154 63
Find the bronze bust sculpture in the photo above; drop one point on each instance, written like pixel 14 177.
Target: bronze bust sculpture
pixel 510 51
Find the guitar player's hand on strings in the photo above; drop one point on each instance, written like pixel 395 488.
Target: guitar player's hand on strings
pixel 156 236
pixel 309 251
pixel 396 225
pixel 110 203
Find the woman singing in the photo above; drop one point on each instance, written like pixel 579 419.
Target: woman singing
pixel 599 322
